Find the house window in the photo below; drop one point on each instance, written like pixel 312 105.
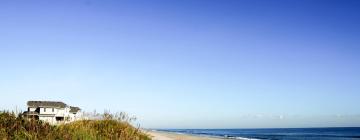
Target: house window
pixel 52 109
pixel 44 109
pixel 59 118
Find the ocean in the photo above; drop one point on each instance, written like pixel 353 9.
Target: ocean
pixel 338 133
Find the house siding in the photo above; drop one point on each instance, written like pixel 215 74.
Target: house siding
pixel 46 110
pixel 49 119
pixel 32 109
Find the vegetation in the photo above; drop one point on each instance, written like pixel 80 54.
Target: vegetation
pixel 109 126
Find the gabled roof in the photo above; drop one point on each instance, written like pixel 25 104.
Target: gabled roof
pixel 74 109
pixel 46 104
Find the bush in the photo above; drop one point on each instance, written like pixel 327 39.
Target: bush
pixel 109 127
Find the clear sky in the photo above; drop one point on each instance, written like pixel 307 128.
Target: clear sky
pixel 187 63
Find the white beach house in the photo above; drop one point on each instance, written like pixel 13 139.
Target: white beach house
pixel 52 112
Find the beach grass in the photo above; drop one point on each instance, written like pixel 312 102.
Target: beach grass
pixel 110 126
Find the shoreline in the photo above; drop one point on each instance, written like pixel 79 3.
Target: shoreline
pixel 162 135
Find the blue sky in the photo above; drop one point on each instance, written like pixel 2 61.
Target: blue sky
pixel 186 63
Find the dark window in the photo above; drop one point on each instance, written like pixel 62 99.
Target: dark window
pixel 52 109
pixel 44 109
pixel 37 110
pixel 59 118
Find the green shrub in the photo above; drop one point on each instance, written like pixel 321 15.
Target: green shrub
pixel 109 127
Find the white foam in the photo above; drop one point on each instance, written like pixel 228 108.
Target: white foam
pixel 243 138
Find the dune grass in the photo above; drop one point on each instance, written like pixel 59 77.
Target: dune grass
pixel 108 127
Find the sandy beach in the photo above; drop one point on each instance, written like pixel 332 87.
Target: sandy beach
pixel 157 135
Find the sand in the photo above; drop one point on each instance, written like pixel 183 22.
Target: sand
pixel 156 135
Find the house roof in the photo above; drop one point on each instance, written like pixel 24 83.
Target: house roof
pixel 29 113
pixel 46 104
pixel 74 109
